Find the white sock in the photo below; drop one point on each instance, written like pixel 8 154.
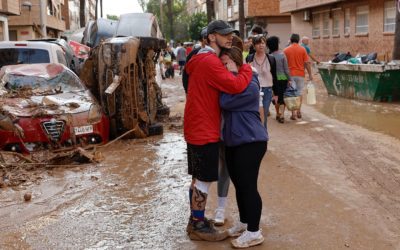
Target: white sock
pixel 222 202
pixel 254 234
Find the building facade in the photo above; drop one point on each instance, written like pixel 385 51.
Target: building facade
pixel 355 26
pixel 7 8
pixel 261 12
pixel 34 24
pixel 196 6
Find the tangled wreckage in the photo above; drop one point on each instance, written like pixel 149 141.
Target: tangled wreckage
pixel 121 73
pixel 47 107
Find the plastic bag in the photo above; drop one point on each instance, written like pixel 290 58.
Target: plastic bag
pixel 292 98
pixel 311 98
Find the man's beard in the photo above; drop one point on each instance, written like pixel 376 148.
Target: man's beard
pixel 224 46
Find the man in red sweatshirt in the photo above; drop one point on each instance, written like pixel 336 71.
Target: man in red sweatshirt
pixel 208 77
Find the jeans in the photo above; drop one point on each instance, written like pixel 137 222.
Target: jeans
pixel 266 101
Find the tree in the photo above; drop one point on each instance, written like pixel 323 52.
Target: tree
pixel 112 17
pixel 196 23
pixel 178 28
pixel 396 48
pixel 170 18
pixel 210 10
pixel 242 20
pixel 82 13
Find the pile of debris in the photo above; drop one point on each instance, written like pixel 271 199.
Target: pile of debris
pixel 16 168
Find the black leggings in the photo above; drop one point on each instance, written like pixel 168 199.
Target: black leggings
pixel 243 163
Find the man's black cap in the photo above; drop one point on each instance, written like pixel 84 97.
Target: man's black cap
pixel 219 26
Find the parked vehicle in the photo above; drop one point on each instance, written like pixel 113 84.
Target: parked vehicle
pixel 72 60
pixel 26 52
pixel 49 108
pixel 97 31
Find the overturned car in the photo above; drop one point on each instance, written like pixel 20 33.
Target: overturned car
pixel 46 106
pixel 121 73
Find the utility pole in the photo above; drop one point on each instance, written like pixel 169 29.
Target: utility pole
pixel 161 16
pixel 43 17
pixel 242 20
pixel 396 47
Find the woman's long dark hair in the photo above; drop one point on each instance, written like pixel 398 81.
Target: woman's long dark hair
pixel 235 54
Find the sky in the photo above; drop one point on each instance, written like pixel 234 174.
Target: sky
pixel 118 7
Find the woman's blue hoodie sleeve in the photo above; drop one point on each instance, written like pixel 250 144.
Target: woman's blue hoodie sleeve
pixel 243 100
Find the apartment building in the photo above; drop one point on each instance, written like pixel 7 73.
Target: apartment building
pixel 196 6
pixel 32 25
pixel 261 12
pixel 355 26
pixel 7 8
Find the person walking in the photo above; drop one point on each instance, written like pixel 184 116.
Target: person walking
pixel 245 140
pixel 181 57
pixel 282 75
pixel 202 122
pixel 297 60
pixel 266 68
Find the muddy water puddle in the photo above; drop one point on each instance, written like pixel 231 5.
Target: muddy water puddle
pixel 123 203
pixel 375 116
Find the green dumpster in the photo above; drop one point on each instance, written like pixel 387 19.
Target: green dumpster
pixel 370 82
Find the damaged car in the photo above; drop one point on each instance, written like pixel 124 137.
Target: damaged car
pixel 46 106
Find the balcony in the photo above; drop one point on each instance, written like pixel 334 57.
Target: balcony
pixel 10 7
pixel 55 23
pixel 295 5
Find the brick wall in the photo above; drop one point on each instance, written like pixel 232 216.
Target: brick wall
pixel 324 47
pixel 264 8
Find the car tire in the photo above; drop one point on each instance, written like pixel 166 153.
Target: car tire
pixel 156 129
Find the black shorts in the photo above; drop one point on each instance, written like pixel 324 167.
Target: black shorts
pixel 182 63
pixel 203 161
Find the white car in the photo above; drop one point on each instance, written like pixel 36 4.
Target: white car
pixel 26 52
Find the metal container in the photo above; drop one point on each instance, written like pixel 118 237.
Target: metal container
pixel 368 82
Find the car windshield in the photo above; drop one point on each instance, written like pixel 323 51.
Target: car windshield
pixel 11 56
pixel 65 81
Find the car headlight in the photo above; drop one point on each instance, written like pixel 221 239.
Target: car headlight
pixel 94 113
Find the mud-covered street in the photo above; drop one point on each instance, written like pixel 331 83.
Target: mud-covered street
pixel 329 181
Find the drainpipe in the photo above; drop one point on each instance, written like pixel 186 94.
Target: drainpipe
pixel 4 19
pixel 43 17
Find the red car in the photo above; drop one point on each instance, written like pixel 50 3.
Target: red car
pixel 50 108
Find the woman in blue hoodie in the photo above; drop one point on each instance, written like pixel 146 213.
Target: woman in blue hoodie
pixel 245 140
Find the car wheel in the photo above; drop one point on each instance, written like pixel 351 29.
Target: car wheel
pixel 156 129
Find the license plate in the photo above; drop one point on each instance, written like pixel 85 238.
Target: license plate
pixel 83 130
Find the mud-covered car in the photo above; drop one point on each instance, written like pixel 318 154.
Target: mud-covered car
pixel 46 106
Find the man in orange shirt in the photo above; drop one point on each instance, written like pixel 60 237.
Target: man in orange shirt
pixel 297 60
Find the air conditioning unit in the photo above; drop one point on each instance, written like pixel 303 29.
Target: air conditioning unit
pixel 307 15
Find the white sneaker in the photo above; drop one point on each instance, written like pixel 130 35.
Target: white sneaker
pixel 237 229
pixel 219 218
pixel 248 239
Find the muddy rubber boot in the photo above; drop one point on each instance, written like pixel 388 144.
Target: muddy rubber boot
pixel 203 230
pixel 189 227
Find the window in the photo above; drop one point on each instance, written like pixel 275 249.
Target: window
pixel 347 21
pixel 11 56
pixel 335 24
pixel 389 16
pixel 315 25
pixel 362 19
pixel 325 24
pixel 61 58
